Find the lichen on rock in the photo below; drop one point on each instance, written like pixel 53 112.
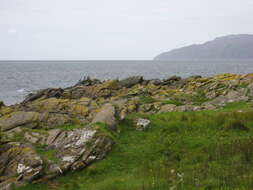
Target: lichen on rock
pixel 38 146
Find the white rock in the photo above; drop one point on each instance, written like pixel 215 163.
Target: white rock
pixel 23 168
pixel 86 135
pixel 142 124
pixel 68 159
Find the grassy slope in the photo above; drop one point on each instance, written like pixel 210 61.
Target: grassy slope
pixel 197 150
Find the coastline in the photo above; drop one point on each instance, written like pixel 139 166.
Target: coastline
pixel 55 131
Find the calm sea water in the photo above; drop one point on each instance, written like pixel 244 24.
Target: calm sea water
pixel 18 78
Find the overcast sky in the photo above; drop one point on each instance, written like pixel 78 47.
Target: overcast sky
pixel 115 29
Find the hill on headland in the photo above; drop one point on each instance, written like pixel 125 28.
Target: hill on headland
pixel 227 47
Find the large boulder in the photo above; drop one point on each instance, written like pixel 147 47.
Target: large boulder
pixel 47 93
pixel 131 81
pixel 167 108
pixel 171 80
pixel 87 81
pixel 102 90
pixel 75 149
pixel 106 115
pixel 231 96
pixel 19 119
pixel 34 120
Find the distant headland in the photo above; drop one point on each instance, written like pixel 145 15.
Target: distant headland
pixel 227 47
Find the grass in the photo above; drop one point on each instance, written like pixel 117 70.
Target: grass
pixel 69 127
pixel 146 100
pixel 175 102
pixel 196 99
pixel 243 85
pixel 194 150
pixel 44 151
pixel 104 129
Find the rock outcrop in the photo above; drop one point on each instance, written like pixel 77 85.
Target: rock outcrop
pixel 54 131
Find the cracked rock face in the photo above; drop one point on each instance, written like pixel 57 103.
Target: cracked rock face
pixel 78 148
pixel 19 163
pixel 46 149
pixel 73 150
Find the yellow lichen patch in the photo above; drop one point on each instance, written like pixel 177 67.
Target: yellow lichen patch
pixel 6 110
pixel 100 101
pixel 111 84
pixel 84 99
pixel 51 104
pixel 249 75
pixel 151 87
pixel 227 76
pixel 15 150
pixel 80 109
pixel 201 80
pixel 132 106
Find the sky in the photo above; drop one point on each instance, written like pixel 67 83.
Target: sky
pixel 114 29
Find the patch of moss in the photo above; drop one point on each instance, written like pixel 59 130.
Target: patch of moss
pixel 47 153
pixel 175 102
pixel 70 127
pixel 196 99
pixel 104 130
pixel 17 137
pixel 243 85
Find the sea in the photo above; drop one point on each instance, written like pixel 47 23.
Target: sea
pixel 19 78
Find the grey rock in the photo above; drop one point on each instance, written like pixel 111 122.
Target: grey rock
pixel 167 108
pixel 232 96
pixel 87 81
pixel 52 135
pixel 30 138
pixel 20 162
pixel 155 82
pixel 18 119
pixel 106 115
pixel 11 133
pixel 46 93
pixel 142 124
pixel 131 81
pixel 187 108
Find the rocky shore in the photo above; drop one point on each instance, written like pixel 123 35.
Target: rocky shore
pixel 54 131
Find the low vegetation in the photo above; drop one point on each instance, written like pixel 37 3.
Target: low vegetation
pixel 191 150
pixel 146 100
pixel 46 152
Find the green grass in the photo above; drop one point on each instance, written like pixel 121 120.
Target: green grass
pixel 146 100
pixel 49 154
pixel 194 150
pixel 246 106
pixel 175 102
pixel 243 85
pixel 69 127
pixel 196 99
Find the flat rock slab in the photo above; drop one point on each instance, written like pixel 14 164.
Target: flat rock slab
pixel 106 115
